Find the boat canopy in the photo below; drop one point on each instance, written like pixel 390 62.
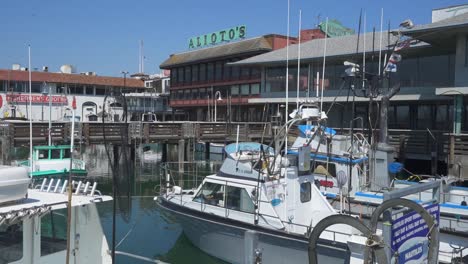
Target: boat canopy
pixel 52 147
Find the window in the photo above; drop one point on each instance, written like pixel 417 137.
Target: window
pixel 89 90
pixel 188 74
pixel 245 89
pixel 202 72
pixel 43 154
pixel 306 193
pixel 194 73
pixel 255 88
pixel 211 193
pixel 245 73
pixel 235 72
pixel 100 90
pixel 219 70
pixel 256 73
pixel 37 87
pixel 424 119
pixel 174 76
pixel 321 168
pixel 55 153
pixel 11 242
pixel 210 72
pixel 66 153
pixel 54 232
pixel 239 199
pixel 235 89
pixel 180 75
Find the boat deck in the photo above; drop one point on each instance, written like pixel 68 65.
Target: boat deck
pixel 37 198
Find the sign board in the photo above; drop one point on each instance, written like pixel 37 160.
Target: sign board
pixel 24 98
pixel 335 29
pixel 409 236
pixel 217 37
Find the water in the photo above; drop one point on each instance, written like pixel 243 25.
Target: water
pixel 140 228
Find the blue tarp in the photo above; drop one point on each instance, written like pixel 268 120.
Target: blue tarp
pixel 304 128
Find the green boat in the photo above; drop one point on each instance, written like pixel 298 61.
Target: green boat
pixel 53 160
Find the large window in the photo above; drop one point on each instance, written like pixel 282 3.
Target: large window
pixel 11 242
pixel 219 71
pixel 211 193
pixel 202 72
pixel 398 117
pixel 188 74
pixel 180 75
pixel 425 118
pixel 230 197
pixel 54 232
pixel 210 72
pixel 238 199
pixel 194 73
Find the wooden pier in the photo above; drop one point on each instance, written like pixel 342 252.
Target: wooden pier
pixel 434 146
pixel 16 134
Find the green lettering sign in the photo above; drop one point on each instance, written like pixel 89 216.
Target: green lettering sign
pixel 218 37
pixel 335 29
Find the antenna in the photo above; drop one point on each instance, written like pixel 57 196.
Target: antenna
pixel 142 58
pixel 380 44
pixel 324 61
pixel 299 60
pixel 364 53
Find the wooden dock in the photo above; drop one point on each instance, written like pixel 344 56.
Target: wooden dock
pixel 17 133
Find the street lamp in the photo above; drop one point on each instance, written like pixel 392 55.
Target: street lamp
pixel 217 97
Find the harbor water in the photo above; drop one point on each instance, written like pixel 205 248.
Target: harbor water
pixel 141 230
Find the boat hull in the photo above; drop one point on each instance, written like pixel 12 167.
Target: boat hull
pixel 226 239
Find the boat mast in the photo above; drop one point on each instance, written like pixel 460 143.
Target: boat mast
pixel 70 187
pixel 323 64
pixel 299 59
pixel 287 88
pixel 30 113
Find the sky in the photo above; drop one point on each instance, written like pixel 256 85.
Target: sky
pixel 104 35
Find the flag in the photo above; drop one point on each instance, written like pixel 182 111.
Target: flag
pixel 403 45
pixel 391 67
pixel 394 58
pixel 74 103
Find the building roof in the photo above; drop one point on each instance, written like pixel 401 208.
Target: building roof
pixel 452 22
pixel 314 49
pixel 230 49
pixel 37 76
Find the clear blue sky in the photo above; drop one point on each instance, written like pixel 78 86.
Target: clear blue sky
pixel 103 35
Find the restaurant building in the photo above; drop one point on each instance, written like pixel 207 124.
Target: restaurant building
pixel 85 92
pixel 205 88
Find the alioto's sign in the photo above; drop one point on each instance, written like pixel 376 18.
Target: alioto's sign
pixel 24 98
pixel 218 37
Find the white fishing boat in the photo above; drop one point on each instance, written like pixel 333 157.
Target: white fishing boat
pixel 277 198
pixel 33 221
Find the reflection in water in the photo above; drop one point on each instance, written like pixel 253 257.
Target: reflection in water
pixel 141 229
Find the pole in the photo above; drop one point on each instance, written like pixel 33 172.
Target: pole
pixel 324 61
pixel 380 44
pixel 70 187
pixel 50 115
pixel 31 169
pixel 299 59
pixel 287 88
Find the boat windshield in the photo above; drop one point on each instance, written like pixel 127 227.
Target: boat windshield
pixel 54 232
pixel 11 242
pixel 230 197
